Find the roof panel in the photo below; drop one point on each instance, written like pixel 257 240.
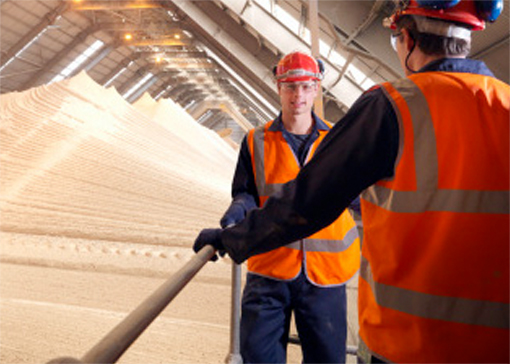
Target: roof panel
pixel 28 11
pixel 10 34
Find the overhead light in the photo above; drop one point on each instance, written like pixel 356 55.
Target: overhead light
pixel 115 5
pixel 128 36
pixel 177 36
pixel 159 59
pixel 159 42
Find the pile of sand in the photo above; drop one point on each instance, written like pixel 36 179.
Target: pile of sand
pixel 78 161
pixel 100 202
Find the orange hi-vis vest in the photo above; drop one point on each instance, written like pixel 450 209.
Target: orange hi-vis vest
pixel 330 256
pixel 434 277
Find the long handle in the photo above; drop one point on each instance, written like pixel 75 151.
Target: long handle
pixel 234 357
pixel 120 338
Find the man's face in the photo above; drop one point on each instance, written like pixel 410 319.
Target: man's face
pixel 297 97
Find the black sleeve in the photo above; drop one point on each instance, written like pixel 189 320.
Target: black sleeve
pixel 358 151
pixel 244 190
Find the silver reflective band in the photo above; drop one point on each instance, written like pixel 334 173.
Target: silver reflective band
pixel 296 245
pixel 258 151
pixel 463 201
pixel 441 28
pixel 427 196
pixel 452 309
pixel 299 73
pixel 331 246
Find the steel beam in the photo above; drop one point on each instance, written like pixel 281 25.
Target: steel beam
pixel 490 48
pixel 372 15
pixel 313 14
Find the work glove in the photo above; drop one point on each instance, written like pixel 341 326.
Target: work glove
pixel 210 237
pixel 234 214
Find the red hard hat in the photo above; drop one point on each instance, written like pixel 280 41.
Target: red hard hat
pixel 297 66
pixel 464 12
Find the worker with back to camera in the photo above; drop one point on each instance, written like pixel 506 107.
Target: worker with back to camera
pixel 431 154
pixel 306 277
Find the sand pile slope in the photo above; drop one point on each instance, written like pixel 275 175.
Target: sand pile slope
pixel 99 203
pixel 78 161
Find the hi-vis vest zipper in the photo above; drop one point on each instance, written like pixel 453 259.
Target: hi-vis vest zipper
pixel 330 256
pixel 434 278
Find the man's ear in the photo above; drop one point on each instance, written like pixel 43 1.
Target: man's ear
pixel 408 40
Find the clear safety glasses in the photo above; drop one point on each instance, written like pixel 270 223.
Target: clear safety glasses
pixel 393 40
pixel 306 87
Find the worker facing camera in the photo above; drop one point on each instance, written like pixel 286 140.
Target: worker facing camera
pixel 307 277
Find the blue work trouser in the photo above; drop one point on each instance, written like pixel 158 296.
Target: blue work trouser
pixel 320 314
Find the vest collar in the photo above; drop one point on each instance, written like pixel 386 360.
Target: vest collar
pixel 319 124
pixel 462 65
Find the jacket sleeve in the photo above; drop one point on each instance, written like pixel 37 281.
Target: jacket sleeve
pixel 358 151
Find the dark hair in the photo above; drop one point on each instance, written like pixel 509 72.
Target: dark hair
pixel 432 44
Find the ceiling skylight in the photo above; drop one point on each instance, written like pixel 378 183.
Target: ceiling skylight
pixel 86 54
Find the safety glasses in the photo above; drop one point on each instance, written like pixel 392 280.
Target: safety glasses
pixel 393 40
pixel 306 87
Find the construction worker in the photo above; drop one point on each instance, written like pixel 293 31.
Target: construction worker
pixel 431 154
pixel 306 277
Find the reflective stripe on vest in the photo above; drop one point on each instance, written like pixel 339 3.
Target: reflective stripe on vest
pixel 424 198
pixel 434 277
pixel 322 242
pixel 454 309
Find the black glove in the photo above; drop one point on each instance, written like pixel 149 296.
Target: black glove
pixel 234 214
pixel 210 237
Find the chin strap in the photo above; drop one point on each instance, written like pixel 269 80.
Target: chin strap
pixel 408 56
